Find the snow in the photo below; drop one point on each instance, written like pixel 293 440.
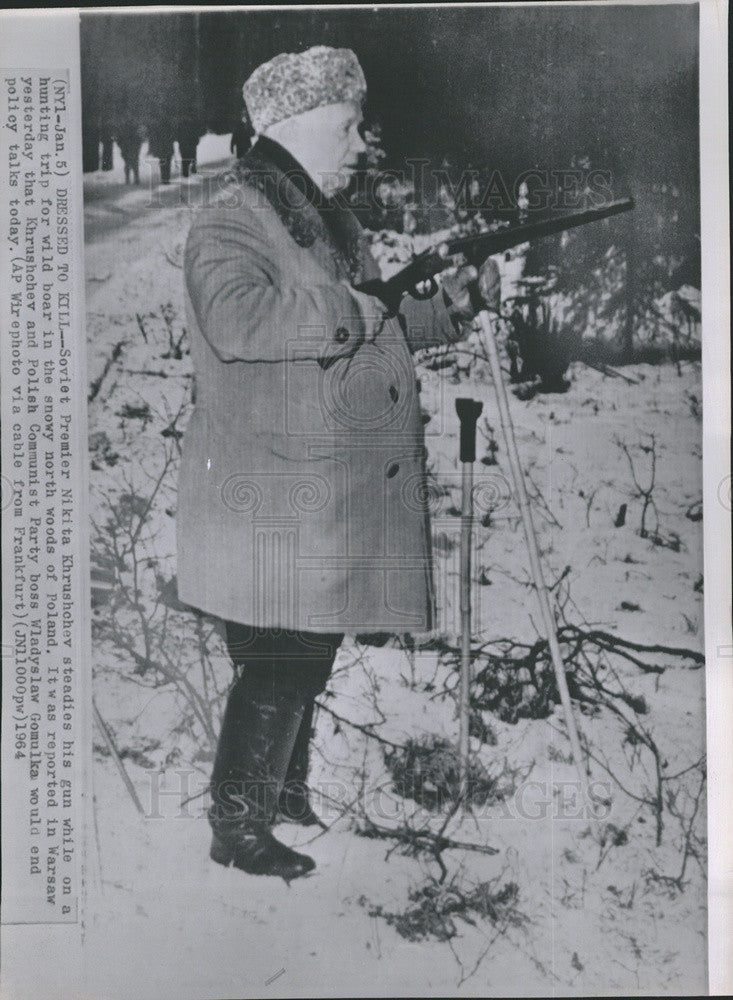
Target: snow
pixel 165 922
pixel 212 149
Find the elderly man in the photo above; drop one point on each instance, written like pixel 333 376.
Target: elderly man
pixel 302 512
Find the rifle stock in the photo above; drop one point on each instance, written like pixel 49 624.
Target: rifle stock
pixel 424 266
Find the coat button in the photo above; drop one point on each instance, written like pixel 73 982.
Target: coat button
pixel 394 395
pixel 392 470
pixel 342 334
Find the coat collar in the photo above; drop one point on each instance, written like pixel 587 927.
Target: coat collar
pixel 306 212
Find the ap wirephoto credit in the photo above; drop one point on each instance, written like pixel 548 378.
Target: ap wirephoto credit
pixel 366 607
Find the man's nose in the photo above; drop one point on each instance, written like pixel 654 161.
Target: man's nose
pixel 357 143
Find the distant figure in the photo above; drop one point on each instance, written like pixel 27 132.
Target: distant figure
pixel 129 139
pixel 107 142
pixel 241 138
pixel 540 349
pixel 160 147
pixel 90 149
pixel 188 140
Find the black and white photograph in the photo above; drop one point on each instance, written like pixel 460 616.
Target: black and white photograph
pixel 392 532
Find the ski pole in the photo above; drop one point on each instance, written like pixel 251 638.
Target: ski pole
pixel 468 411
pixel 531 539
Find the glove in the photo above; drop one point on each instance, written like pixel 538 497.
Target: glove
pixel 373 313
pixel 455 288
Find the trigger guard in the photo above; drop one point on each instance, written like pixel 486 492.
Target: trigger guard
pixel 432 289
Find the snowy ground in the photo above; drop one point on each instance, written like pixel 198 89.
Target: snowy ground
pixel 163 921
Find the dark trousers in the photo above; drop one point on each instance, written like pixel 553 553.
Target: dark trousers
pixel 263 744
pixel 282 661
pixel 165 169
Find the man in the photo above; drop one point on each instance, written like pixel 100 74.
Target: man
pixel 241 140
pixel 160 146
pixel 302 511
pixel 188 137
pixel 129 139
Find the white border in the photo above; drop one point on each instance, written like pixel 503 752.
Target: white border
pixel 716 467
pixel 48 960
pixel 30 36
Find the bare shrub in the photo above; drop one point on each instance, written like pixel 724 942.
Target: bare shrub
pixel 426 770
pixel 434 907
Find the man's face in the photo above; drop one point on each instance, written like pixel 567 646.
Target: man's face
pixel 341 143
pixel 326 141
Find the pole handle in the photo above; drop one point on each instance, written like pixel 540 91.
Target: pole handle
pixel 468 410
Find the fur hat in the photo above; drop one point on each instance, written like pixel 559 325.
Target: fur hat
pixel 294 82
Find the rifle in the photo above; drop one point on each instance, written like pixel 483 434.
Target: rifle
pixel 424 266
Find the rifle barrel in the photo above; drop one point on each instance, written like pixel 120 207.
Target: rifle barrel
pixel 477 248
pixel 504 239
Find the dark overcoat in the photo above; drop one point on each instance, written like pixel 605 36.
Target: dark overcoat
pixel 302 501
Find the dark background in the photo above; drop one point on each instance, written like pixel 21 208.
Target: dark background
pixel 504 88
pixel 525 86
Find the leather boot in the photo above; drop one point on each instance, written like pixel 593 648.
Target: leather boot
pixel 294 804
pixel 260 725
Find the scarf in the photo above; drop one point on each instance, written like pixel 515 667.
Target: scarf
pixel 307 213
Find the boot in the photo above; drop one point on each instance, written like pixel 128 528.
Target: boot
pixel 260 726
pixel 294 804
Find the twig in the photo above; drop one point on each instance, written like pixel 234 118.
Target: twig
pixel 141 324
pixel 613 372
pixel 423 839
pixel 96 385
pixel 598 636
pixel 538 497
pixel 109 740
pixel 363 728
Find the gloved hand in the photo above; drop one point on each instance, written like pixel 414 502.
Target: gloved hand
pixel 373 313
pixel 455 287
